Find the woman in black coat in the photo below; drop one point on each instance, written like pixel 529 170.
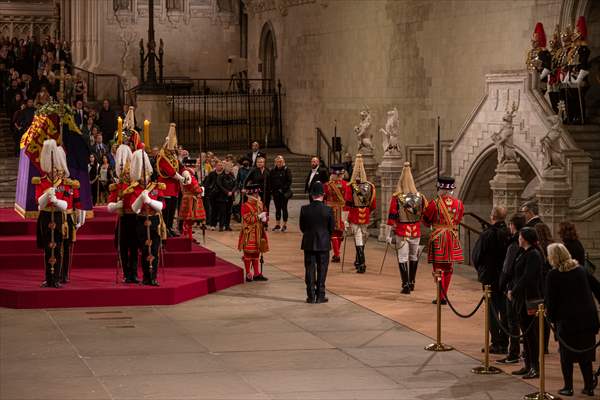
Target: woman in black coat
pixel 571 308
pixel 226 186
pixel 280 181
pixel 526 287
pixel 568 235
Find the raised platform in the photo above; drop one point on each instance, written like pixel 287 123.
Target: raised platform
pixel 190 270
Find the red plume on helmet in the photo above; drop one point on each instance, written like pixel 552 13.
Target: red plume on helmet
pixel 539 36
pixel 581 28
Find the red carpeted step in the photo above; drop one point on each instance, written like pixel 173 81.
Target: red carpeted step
pixel 84 244
pixel 198 257
pixel 28 227
pixel 97 288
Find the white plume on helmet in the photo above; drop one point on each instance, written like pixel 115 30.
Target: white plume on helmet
pixel 406 183
pixel 358 170
pixel 138 158
pixel 52 153
pixel 171 139
pixel 122 159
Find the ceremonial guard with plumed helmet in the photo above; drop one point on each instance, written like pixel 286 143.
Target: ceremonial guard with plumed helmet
pixel 576 73
pixel 60 213
pixel 148 205
pixel 360 202
pixel 539 58
pixel 404 219
pixel 169 173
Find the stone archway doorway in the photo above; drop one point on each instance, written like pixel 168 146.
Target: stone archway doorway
pixel 477 194
pixel 268 56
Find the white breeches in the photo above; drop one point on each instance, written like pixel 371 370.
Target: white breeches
pixel 360 234
pixel 408 248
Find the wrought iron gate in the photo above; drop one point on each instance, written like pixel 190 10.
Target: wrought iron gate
pixel 217 120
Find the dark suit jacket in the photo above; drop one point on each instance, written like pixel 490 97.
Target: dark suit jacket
pixel 528 279
pixel 78 120
pixel 317 225
pixel 322 175
pixel 534 221
pixel 260 154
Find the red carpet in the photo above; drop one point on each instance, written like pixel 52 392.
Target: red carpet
pixel 190 270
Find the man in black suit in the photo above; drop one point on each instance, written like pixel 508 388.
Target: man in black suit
pixel 317 225
pixel 255 154
pixel 530 209
pixel 317 173
pixel 80 115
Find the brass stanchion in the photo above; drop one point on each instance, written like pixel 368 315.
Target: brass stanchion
pixel 438 345
pixel 541 395
pixel 485 369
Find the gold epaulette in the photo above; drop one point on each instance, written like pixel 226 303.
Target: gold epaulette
pixel 396 194
pixel 112 187
pixel 161 186
pixel 130 188
pixel 73 183
pixel 36 180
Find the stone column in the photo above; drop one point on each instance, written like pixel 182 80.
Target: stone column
pixel 388 172
pixel 553 197
pixel 507 186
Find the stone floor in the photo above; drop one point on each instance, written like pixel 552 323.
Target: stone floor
pixel 255 341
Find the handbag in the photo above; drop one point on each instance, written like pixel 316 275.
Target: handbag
pixel 288 194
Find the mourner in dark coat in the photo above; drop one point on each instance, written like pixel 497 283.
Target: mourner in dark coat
pixel 488 254
pixel 317 225
pixel 525 291
pixel 317 173
pixel 570 306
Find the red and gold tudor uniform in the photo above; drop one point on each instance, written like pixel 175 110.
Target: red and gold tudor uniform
pixel 360 202
pixel 56 225
pixel 335 193
pixel 444 214
pixel 191 208
pixel 168 169
pixel 253 238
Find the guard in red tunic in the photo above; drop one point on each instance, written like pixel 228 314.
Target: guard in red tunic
pixel 120 201
pixel 168 169
pixel 147 204
pixel 404 220
pixel 443 214
pixel 191 209
pixel 253 238
pixel 335 191
pixel 57 196
pixel 360 202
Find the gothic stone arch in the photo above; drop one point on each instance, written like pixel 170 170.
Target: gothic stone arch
pixel 267 54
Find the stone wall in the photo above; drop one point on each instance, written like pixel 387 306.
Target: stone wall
pixel 198 39
pixel 428 58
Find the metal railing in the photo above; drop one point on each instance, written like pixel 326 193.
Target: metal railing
pixel 471 235
pixel 212 117
pixel 102 86
pixel 322 139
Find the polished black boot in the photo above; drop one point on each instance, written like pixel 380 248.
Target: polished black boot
pixel 361 259
pixel 356 258
pixel 412 273
pixel 403 267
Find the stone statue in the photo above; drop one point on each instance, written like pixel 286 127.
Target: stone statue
pixel 551 148
pixel 174 5
pixel 503 139
pixel 391 133
pixel 363 134
pixel 119 5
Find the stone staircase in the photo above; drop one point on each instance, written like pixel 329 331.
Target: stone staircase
pixel 8 164
pixel 587 137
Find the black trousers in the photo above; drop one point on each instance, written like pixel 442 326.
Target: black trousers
pixel 51 240
pixel 222 213
pixel 281 204
pixel 586 368
pixel 576 104
pixel 169 212
pixel 128 245
pixel 67 244
pixel 512 323
pixel 149 264
pixel 499 338
pixel 531 339
pixel 315 265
